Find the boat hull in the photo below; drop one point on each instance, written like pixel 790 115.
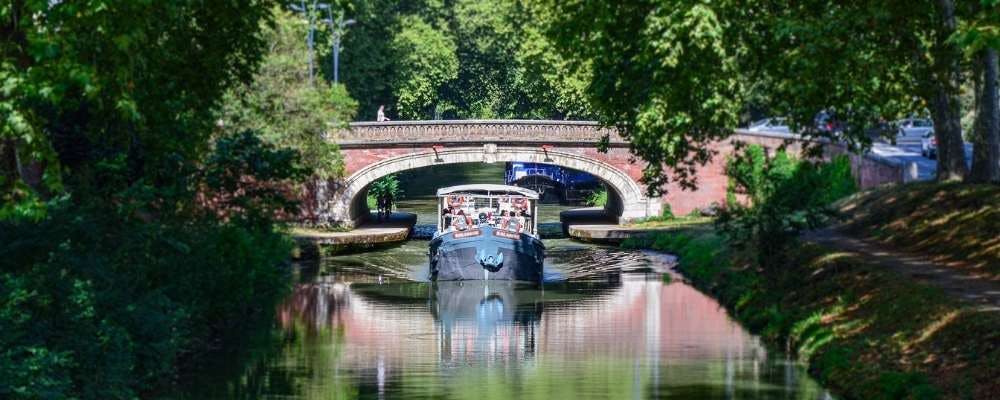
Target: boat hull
pixel 486 253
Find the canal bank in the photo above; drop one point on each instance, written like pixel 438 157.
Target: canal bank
pixel 865 332
pixel 313 243
pixel 592 225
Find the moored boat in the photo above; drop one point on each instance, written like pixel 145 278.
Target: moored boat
pixel 486 232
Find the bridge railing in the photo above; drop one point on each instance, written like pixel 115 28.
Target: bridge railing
pixel 449 131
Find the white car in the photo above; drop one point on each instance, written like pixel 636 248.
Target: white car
pixel 770 125
pixel 928 145
pixel 913 128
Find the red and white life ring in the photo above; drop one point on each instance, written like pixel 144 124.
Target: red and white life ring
pixel 521 203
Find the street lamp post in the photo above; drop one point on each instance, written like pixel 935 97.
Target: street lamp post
pixel 310 34
pixel 337 31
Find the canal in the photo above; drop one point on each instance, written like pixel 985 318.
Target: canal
pixel 607 324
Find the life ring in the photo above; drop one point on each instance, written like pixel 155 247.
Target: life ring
pixel 521 203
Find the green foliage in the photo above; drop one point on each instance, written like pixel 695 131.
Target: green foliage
pixel 263 198
pixel 426 60
pixel 486 36
pixel 899 385
pixel 782 196
pixel 665 73
pixel 94 307
pixel 132 243
pixel 668 212
pixel 556 86
pixel 107 300
pixel 385 186
pixel 471 59
pixel 88 83
pixel 284 107
pixel 598 198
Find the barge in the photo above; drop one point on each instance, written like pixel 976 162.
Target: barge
pixel 486 232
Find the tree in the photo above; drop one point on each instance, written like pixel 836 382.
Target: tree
pixel 426 61
pixel 672 74
pixel 284 107
pixel 78 89
pixel 367 61
pixel 555 86
pixel 980 37
pixel 506 68
pixel 664 73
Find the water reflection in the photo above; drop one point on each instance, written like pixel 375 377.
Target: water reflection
pixel 614 329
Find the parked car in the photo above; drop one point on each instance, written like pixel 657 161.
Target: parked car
pixel 770 125
pixel 928 145
pixel 914 127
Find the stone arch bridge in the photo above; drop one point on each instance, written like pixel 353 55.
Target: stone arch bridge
pixel 372 150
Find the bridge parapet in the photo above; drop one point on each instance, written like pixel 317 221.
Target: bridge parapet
pixel 475 131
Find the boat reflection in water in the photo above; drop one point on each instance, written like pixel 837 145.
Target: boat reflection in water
pixel 477 317
pixel 633 336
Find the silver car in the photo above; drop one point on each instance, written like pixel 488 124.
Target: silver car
pixel 770 125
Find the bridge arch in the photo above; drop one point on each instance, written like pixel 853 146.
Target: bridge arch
pixel 349 203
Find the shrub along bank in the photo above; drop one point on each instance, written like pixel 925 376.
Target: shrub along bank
pixel 865 333
pixel 113 296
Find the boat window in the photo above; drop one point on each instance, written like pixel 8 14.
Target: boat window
pixel 508 212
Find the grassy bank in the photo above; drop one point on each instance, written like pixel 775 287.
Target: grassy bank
pixel 957 224
pixel 866 333
pixel 669 222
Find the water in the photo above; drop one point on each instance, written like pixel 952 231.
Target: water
pixel 607 324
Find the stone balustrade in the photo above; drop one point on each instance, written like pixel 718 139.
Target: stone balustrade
pixel 473 131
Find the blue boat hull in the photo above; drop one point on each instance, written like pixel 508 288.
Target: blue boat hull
pixel 486 253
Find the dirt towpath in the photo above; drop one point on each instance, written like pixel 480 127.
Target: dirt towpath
pixel 961 284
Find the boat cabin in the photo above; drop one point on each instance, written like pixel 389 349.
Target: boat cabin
pixel 504 207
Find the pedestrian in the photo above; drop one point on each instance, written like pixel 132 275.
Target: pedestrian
pixel 380 204
pixel 381 114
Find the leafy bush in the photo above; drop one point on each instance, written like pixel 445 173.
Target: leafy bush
pixel 385 186
pixel 781 197
pixel 598 198
pixel 667 213
pixel 96 307
pixel 107 299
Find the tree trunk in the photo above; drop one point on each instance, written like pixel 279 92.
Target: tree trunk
pixel 944 103
pixel 985 156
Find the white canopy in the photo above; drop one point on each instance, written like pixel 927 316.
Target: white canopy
pixel 489 190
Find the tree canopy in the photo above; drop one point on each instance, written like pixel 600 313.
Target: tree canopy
pixel 675 75
pixel 469 59
pixel 284 106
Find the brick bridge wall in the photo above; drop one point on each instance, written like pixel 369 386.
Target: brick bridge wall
pixel 372 150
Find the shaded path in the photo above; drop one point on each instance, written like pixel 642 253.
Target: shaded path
pixel 952 280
